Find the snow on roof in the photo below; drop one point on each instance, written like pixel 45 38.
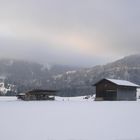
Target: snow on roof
pixel 123 83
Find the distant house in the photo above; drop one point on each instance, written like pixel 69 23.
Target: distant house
pixel 38 94
pixel 112 89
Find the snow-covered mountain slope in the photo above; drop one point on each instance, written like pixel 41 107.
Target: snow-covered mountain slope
pixel 28 75
pixel 8 89
pixel 127 68
pixel 70 81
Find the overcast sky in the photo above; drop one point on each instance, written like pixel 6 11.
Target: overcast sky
pixel 70 32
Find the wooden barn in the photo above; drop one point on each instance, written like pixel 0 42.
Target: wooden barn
pixel 38 94
pixel 112 89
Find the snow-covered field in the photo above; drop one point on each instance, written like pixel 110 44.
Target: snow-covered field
pixel 69 119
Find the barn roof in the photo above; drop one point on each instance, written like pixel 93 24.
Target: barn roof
pixel 43 92
pixel 123 83
pixel 120 82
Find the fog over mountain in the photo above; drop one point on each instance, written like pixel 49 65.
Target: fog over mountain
pixel 70 81
pixel 69 32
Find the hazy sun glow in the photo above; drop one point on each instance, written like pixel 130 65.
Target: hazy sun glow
pixel 62 32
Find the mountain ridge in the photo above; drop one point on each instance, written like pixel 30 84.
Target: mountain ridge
pixel 71 81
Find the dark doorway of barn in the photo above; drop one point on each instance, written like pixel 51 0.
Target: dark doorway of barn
pixel 110 95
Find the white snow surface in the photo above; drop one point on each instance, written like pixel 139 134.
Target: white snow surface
pixel 123 82
pixel 69 119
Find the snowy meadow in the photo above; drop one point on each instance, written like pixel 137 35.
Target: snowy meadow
pixel 69 119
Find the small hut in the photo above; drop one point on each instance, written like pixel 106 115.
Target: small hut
pixel 112 89
pixel 38 94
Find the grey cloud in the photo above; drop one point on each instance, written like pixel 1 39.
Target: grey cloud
pixel 115 24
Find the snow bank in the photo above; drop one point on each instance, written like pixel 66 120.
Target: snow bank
pixel 69 120
pixel 78 98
